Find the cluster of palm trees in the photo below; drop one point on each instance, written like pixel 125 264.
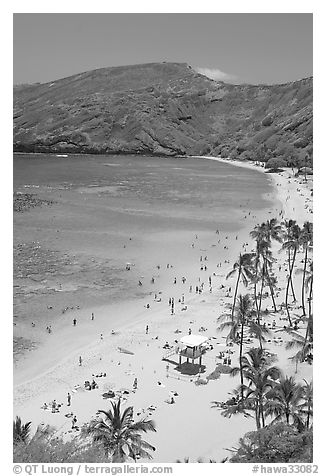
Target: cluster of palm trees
pixel 256 269
pixel 269 394
pixel 263 389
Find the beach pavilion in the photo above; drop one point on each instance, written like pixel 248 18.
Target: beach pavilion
pixel 192 348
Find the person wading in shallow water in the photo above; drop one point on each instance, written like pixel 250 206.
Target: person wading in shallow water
pixel 80 361
pixel 68 399
pixel 74 322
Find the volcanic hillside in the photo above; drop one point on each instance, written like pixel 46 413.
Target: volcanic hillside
pixel 162 109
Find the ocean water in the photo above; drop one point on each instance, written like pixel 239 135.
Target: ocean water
pixel 113 210
pixel 155 191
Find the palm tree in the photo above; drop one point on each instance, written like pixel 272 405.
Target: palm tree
pixel 259 235
pixel 287 234
pixel 119 435
pixel 273 232
pixel 267 264
pixel 264 234
pixel 292 243
pixel 21 432
pixel 306 241
pixel 307 405
pixel 298 341
pixel 284 400
pixel 243 313
pixel 243 269
pixel 261 378
pixel 309 285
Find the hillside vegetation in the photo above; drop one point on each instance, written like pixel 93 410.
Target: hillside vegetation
pixel 163 109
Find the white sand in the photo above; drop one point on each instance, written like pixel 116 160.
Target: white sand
pixel 190 427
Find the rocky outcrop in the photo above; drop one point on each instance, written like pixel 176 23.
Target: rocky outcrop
pixel 161 109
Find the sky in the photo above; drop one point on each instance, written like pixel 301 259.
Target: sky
pixel 237 47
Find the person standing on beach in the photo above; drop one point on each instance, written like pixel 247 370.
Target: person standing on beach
pixel 80 361
pixel 147 329
pixel 92 316
pixel 68 399
pixel 74 321
pixel 74 421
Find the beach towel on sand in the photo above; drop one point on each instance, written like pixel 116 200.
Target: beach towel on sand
pixel 125 351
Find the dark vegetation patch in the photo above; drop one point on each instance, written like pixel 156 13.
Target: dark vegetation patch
pixel 25 201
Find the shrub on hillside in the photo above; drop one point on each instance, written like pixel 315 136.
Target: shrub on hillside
pixel 267 121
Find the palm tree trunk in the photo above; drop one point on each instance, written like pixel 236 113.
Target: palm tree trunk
pixel 292 267
pixel 308 329
pixel 308 417
pixel 261 411
pixel 271 289
pixel 303 281
pixel 286 301
pixel 309 310
pixel 262 417
pixel 261 293
pixel 290 280
pixel 289 264
pixel 236 292
pixel 256 277
pixel 257 415
pixel 240 356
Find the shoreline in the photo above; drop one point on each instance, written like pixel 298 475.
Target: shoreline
pixel 285 180
pixel 146 364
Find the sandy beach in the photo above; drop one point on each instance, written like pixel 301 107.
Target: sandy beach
pixel 53 369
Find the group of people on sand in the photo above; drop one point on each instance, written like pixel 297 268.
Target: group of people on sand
pixel 90 385
pixel 54 406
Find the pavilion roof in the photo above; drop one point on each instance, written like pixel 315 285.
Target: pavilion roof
pixel 193 341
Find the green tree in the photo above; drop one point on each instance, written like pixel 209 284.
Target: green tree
pixel 306 408
pixel 118 434
pixel 284 401
pixel 279 443
pixel 291 244
pixel 243 269
pixel 261 378
pixel 21 431
pixel 45 447
pixel 275 164
pixel 309 287
pixel 306 240
pixel 243 314
pixel 264 234
pixel 301 342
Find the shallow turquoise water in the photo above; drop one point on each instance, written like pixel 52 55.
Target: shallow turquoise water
pixel 181 189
